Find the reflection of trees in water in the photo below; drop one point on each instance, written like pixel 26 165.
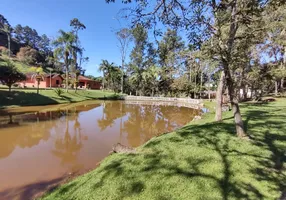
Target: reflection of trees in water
pixel 146 121
pixel 111 112
pixel 24 136
pixel 67 146
pixel 24 129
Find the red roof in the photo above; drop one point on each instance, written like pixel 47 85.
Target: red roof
pixel 82 78
pixel 54 76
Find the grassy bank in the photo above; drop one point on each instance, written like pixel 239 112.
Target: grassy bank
pixel 46 97
pixel 204 160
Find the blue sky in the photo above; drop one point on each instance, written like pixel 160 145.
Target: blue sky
pixel 48 16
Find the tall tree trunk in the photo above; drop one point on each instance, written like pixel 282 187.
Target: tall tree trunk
pixel 9 44
pixel 234 103
pixel 245 92
pixel 276 88
pixel 195 91
pixel 76 83
pixel 226 58
pixel 38 87
pixel 122 77
pixel 67 79
pixel 209 86
pixel 284 67
pixel 67 69
pixel 201 86
pixel 9 86
pixel 218 112
pixel 103 80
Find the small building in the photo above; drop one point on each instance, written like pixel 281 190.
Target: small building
pixel 86 83
pixel 57 80
pixel 54 80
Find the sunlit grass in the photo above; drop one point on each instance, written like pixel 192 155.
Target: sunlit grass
pixel 204 160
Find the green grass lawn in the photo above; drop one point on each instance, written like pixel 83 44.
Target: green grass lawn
pixel 203 160
pixel 46 97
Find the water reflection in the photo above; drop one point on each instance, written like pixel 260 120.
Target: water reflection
pixel 141 122
pixel 49 143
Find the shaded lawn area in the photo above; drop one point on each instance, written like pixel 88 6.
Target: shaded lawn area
pixel 46 97
pixel 204 160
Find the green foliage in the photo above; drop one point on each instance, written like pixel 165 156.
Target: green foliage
pixel 59 92
pixel 29 36
pixel 111 76
pixel 10 75
pixel 4 51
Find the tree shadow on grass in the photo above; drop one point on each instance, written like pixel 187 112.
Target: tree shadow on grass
pixel 19 98
pixel 201 162
pixel 30 191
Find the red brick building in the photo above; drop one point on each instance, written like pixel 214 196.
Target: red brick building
pixel 56 80
pixel 86 83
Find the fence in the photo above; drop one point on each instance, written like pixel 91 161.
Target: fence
pixel 184 102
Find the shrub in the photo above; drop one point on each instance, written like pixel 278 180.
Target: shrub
pixel 9 74
pixel 4 51
pixel 59 92
pixel 27 55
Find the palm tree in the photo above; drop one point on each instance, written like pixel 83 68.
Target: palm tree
pixel 136 77
pixel 76 68
pixel 64 49
pixel 38 75
pixel 150 76
pixel 106 68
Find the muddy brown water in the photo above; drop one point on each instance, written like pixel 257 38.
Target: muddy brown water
pixel 40 145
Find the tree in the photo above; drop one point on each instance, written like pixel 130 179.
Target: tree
pixel 27 55
pixel 38 75
pixel 151 77
pixel 104 67
pixel 77 25
pixel 10 75
pixel 136 78
pixel 77 50
pixel 111 75
pixel 7 29
pixel 124 37
pixel 140 41
pixel 138 59
pixel 228 23
pixel 64 49
pixel 274 45
pixel 219 93
pixel 29 37
pixel 169 58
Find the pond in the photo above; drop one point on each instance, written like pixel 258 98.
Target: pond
pixel 40 145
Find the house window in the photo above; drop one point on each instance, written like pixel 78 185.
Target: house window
pixel 57 82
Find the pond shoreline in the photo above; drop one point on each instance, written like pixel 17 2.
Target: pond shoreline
pixel 193 155
pixel 72 125
pixel 73 176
